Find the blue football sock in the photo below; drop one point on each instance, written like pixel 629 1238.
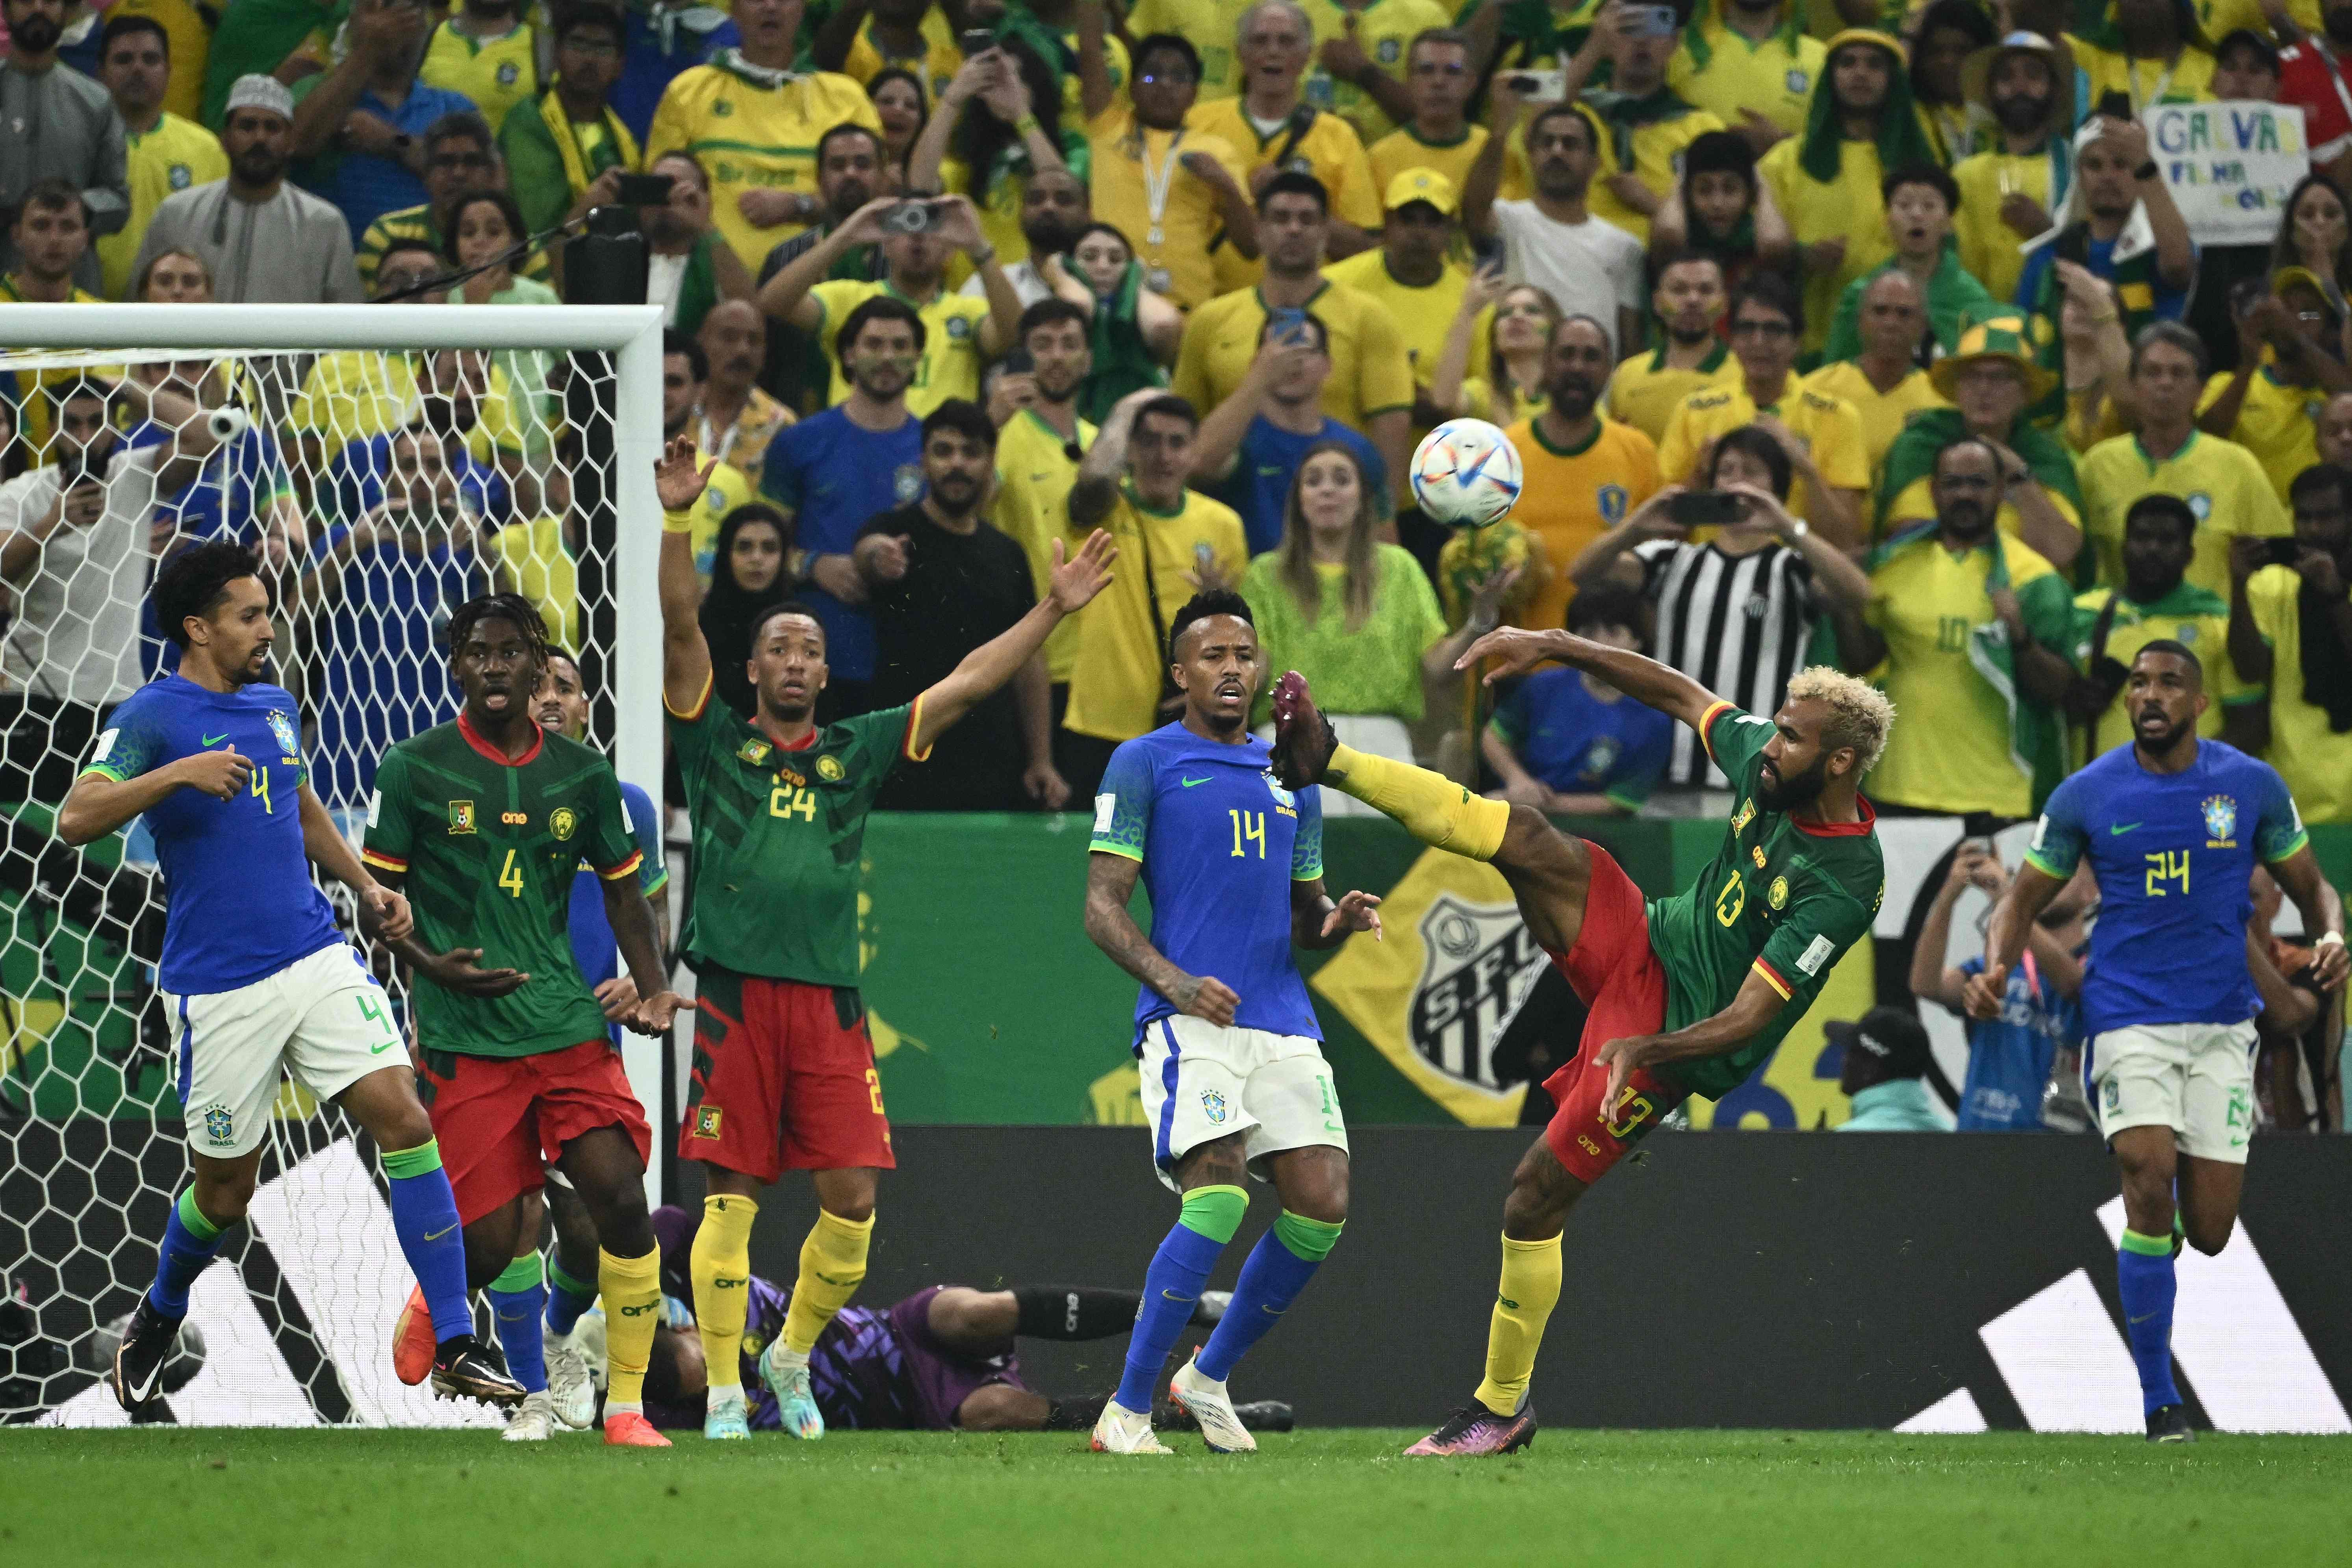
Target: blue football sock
pixel 189 1242
pixel 568 1295
pixel 2145 1279
pixel 517 1299
pixel 425 1216
pixel 1179 1272
pixel 1278 1267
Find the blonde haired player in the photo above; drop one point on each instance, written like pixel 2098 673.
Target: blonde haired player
pixel 1747 948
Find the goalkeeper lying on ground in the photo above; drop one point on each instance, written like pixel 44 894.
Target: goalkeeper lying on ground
pixel 941 1360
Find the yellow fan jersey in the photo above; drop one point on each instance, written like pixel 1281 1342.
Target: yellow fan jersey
pixel 1370 373
pixel 1884 414
pixel 951 354
pixel 1569 496
pixel 751 137
pixel 2220 480
pixel 496 73
pixel 1829 426
pixel 1034 471
pixel 1384 30
pixel 177 156
pixel 1645 391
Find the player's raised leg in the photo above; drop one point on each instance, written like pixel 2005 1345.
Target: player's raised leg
pixel 213 1199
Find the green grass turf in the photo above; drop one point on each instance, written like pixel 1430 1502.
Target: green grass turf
pixel 1749 1499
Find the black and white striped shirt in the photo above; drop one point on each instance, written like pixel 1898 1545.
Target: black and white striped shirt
pixel 1738 625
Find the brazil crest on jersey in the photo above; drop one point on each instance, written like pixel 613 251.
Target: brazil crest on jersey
pixel 1221 844
pixel 2173 853
pixel 489 848
pixel 777 837
pixel 239 901
pixel 1781 898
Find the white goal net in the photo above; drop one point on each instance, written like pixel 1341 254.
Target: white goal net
pixel 387 463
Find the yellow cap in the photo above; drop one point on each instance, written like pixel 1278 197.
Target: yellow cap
pixel 1423 185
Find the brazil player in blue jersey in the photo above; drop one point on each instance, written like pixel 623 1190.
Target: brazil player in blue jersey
pixel 256 975
pixel 2172 827
pixel 1230 1055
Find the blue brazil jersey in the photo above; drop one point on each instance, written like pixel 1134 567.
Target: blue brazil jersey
pixel 2173 853
pixel 594 946
pixel 240 903
pixel 1221 844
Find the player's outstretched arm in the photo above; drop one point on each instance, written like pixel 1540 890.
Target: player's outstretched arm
pixel 633 930
pixel 1316 923
pixel 2013 914
pixel 1074 584
pixel 97 805
pixel 452 971
pixel 1111 883
pixel 1755 1007
pixel 332 853
pixel 678 480
pixel 1646 681
pixel 2299 878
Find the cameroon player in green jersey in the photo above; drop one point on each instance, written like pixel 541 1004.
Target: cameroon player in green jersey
pixel 783 1067
pixel 1685 995
pixel 484 822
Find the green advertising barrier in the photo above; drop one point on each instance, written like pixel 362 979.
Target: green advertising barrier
pixel 68 1023
pixel 990 1005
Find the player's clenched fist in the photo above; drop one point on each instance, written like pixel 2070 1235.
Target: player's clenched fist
pixel 223 775
pixel 1982 995
pixel 1207 996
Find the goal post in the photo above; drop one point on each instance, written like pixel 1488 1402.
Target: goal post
pixel 341 406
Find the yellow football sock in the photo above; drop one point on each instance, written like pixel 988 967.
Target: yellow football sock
pixel 832 1265
pixel 1523 1304
pixel 1434 809
pixel 631 1291
pixel 721 1265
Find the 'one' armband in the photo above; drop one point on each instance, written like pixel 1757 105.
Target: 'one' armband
pixel 679 522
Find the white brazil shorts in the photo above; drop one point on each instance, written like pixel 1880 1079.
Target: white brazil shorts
pixel 2197 1079
pixel 1202 1082
pixel 322 1019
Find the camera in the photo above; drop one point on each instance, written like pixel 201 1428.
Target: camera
pixel 645 190
pixel 918 217
pixel 1653 22
pixel 1706 508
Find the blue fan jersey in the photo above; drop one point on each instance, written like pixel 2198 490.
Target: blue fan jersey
pixel 2173 853
pixel 1221 844
pixel 239 901
pixel 594 946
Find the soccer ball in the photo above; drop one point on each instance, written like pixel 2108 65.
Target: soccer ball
pixel 1466 474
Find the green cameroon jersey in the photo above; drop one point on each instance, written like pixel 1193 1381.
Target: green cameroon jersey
pixel 1780 898
pixel 777 836
pixel 489 848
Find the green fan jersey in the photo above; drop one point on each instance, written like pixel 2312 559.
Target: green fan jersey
pixel 489 848
pixel 777 837
pixel 1780 898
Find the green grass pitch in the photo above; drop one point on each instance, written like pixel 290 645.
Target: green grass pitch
pixel 1745 1499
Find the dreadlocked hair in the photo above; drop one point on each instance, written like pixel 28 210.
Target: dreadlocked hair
pixel 512 607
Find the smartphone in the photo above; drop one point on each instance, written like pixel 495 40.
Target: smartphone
pixel 645 190
pixel 2281 552
pixel 1653 22
pixel 1540 86
pixel 1018 362
pixel 1706 508
pixel 975 40
pixel 1285 323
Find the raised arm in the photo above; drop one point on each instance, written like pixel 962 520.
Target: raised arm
pixel 1646 681
pixel 1485 174
pixel 786 295
pixel 2013 914
pixel 1095 490
pixel 678 479
pixel 984 669
pixel 1218 445
pixel 97 805
pixel 1931 977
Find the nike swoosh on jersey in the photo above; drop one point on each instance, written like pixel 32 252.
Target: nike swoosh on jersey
pixel 1188 783
pixel 437 1235
pixel 2116 830
pixel 215 739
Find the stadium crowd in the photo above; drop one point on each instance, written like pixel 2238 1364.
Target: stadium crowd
pixel 1828 332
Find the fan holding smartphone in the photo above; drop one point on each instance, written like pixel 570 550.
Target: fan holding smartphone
pixel 1736 581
